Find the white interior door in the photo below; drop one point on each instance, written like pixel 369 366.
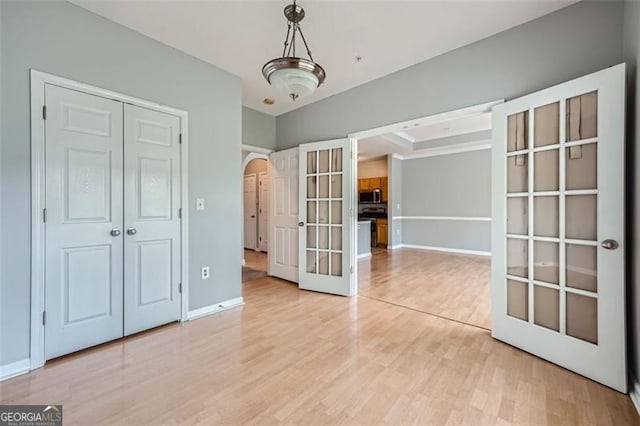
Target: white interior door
pixel 83 263
pixel 558 225
pixel 152 221
pixel 283 214
pixel 250 212
pixel 263 211
pixel 327 225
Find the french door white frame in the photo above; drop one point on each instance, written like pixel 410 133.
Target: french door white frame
pixel 38 82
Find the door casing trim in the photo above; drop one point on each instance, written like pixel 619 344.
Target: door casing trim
pixel 38 80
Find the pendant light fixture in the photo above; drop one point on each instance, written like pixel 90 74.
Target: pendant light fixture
pixel 298 77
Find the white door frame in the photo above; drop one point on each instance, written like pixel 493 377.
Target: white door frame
pixel 38 81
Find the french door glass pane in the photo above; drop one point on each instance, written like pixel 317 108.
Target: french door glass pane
pixel 560 268
pixel 582 317
pixel 517 216
pixel 323 187
pixel 517 131
pixel 336 160
pixel 582 267
pixel 546 171
pixel 546 222
pixel 546 262
pixel 324 211
pixel 547 125
pixel 517 257
pixel 581 217
pixel 582 166
pixel 324 161
pixel 582 117
pixel 311 237
pixel 518 299
pixel 517 173
pixel 546 310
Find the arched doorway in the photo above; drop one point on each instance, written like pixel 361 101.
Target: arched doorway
pixel 255 215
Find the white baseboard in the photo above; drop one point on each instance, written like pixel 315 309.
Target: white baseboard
pixel 364 255
pixel 446 249
pixel 396 247
pixel 634 393
pixel 15 369
pixel 212 309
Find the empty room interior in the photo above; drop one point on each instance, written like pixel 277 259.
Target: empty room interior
pixel 319 212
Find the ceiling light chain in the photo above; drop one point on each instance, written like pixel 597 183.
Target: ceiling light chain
pixel 299 77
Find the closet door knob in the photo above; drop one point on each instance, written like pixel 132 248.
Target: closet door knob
pixel 131 231
pixel 115 232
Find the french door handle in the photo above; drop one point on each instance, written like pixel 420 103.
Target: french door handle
pixel 610 244
pixel 115 232
pixel 301 224
pixel 131 231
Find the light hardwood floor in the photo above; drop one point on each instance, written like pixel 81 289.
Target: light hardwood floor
pixel 255 260
pixel 454 286
pixel 290 356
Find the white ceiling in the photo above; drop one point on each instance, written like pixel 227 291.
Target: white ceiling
pixel 430 137
pixel 240 36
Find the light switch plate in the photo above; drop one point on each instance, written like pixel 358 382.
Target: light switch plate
pixel 204 273
pixel 199 203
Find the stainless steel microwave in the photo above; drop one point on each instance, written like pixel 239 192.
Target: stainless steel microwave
pixel 370 196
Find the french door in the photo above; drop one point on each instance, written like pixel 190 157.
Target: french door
pixel 112 226
pixel 558 225
pixel 326 236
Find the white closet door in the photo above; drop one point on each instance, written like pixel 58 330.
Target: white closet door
pixel 83 266
pixel 151 219
pixel 558 286
pixel 263 211
pixel 283 214
pixel 250 211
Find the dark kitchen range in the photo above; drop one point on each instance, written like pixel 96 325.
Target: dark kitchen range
pixel 373 214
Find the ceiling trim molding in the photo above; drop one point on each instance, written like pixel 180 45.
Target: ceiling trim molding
pixel 428 120
pixel 256 149
pixel 406 136
pixel 434 152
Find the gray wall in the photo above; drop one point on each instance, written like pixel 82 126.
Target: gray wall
pixel 394 206
pixel 455 185
pixel 569 43
pixel 258 129
pixel 632 56
pixel 63 39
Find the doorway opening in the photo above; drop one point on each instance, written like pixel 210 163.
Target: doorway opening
pixel 424 214
pixel 255 211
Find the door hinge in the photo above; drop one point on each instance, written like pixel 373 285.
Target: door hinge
pixel 44 317
pixel 180 138
pixel 180 213
pixel 44 215
pixel 180 288
pixel 351 269
pixel 44 112
pixel 353 155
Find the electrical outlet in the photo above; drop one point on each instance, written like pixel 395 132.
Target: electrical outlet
pixel 204 273
pixel 199 203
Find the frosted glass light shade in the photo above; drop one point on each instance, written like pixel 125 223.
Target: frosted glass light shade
pixel 296 83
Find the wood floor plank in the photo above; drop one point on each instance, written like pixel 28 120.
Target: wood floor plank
pixel 290 356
